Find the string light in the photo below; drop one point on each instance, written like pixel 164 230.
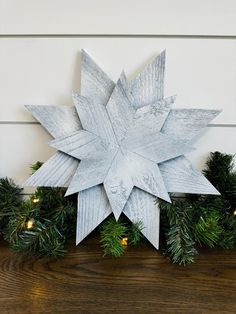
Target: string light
pixel 35 199
pixel 235 212
pixel 30 223
pixel 124 241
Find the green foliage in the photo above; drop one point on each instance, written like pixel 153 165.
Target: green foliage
pixel 179 238
pixel 18 222
pixel 54 221
pixel 219 171
pixel 43 239
pixel 134 233
pixel 10 198
pixel 202 219
pixel 112 232
pixel 197 220
pixel 207 230
pixel 36 166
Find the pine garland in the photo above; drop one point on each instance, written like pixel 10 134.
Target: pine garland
pixel 42 224
pixel 116 235
pixel 10 198
pixel 203 220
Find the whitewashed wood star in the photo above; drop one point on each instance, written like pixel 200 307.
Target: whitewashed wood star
pixel 121 146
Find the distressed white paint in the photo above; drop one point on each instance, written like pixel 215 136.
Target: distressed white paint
pixel 148 86
pixel 53 116
pixel 93 208
pixel 55 172
pixel 141 207
pixel 96 86
pixel 117 168
pixel 185 125
pixel 81 145
pixel 29 143
pixel 94 117
pixel 180 176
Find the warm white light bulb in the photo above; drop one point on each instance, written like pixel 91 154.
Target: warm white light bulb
pixel 30 224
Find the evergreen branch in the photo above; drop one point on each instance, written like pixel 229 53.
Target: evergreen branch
pixel 207 230
pixel 134 233
pixel 179 239
pixel 10 196
pixel 34 167
pixel 18 221
pixel 43 239
pixel 112 232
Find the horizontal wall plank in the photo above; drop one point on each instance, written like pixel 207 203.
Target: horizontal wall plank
pixel 45 70
pixel 22 145
pixel 204 17
pixel 211 140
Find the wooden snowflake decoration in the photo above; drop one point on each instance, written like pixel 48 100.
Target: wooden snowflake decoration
pixel 121 146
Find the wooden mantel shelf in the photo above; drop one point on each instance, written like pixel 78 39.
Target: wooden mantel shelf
pixel 142 281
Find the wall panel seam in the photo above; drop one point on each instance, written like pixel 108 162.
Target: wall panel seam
pixel 199 36
pixel 211 125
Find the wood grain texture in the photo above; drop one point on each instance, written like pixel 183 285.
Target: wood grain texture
pixel 179 175
pixel 155 146
pixel 118 183
pixel 57 120
pixel 153 116
pixel 90 172
pixel 142 281
pixel 94 118
pixel 141 207
pixel 57 171
pixel 120 109
pixel 82 145
pixel 96 86
pixel 148 86
pixel 146 176
pixel 93 208
pixel 185 124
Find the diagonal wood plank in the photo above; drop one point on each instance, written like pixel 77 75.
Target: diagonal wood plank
pixel 82 145
pixel 57 120
pixel 91 172
pixel 93 208
pixel 120 109
pixel 185 124
pixel 96 86
pixel 57 171
pixel 146 176
pixel 180 176
pixel 94 118
pixel 141 207
pixel 118 183
pixel 148 86
pixel 152 117
pixel 156 147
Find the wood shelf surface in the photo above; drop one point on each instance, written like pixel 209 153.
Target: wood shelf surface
pixel 141 281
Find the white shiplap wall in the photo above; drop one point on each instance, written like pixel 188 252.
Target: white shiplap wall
pixel 40 43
